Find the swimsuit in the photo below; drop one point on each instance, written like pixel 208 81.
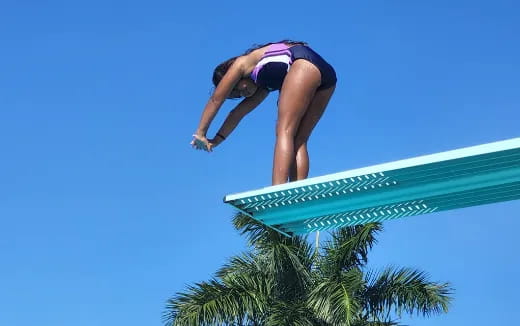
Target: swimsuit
pixel 272 68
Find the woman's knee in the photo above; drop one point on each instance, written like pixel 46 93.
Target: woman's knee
pixel 286 128
pixel 300 140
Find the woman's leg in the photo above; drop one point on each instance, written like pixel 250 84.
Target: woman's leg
pixel 300 166
pixel 297 92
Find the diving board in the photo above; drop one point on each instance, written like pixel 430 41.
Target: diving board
pixel 454 179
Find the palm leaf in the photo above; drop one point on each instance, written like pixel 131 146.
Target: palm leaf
pixel 335 299
pixel 406 290
pixel 348 248
pixel 203 304
pixel 242 293
pixel 256 233
pixel 290 313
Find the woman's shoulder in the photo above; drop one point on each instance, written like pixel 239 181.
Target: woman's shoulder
pixel 253 57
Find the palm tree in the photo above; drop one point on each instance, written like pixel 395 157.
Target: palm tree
pixel 283 281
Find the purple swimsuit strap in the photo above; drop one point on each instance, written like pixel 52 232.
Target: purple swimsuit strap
pixel 275 49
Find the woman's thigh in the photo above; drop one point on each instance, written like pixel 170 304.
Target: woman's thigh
pixel 298 90
pixel 313 114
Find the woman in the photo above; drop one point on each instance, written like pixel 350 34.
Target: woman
pixel 306 83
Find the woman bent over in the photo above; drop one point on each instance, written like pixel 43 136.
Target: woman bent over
pixel 306 83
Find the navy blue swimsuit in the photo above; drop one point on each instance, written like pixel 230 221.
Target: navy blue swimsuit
pixel 272 68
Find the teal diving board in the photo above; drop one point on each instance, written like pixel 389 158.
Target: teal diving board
pixel 454 179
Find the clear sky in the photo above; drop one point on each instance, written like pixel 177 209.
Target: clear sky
pixel 105 209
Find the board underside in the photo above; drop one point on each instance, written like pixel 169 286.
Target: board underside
pixel 460 178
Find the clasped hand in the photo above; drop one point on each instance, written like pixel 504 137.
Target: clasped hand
pixel 201 142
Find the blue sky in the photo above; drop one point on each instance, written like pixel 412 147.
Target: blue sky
pixel 105 209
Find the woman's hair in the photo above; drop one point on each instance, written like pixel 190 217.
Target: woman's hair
pixel 222 68
pixel 258 46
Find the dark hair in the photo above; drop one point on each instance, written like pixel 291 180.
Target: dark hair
pixel 222 68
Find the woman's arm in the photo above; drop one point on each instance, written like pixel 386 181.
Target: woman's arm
pixel 224 88
pixel 235 116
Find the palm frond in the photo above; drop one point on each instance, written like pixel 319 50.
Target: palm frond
pixel 348 248
pixel 248 275
pixel 406 290
pixel 335 299
pixel 204 303
pixel 247 262
pixel 374 323
pixel 256 233
pixel 289 264
pixel 241 295
pixel 290 313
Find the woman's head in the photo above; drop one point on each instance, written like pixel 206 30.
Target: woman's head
pixel 221 70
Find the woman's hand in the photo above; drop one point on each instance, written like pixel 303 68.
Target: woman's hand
pixel 201 142
pixel 214 142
